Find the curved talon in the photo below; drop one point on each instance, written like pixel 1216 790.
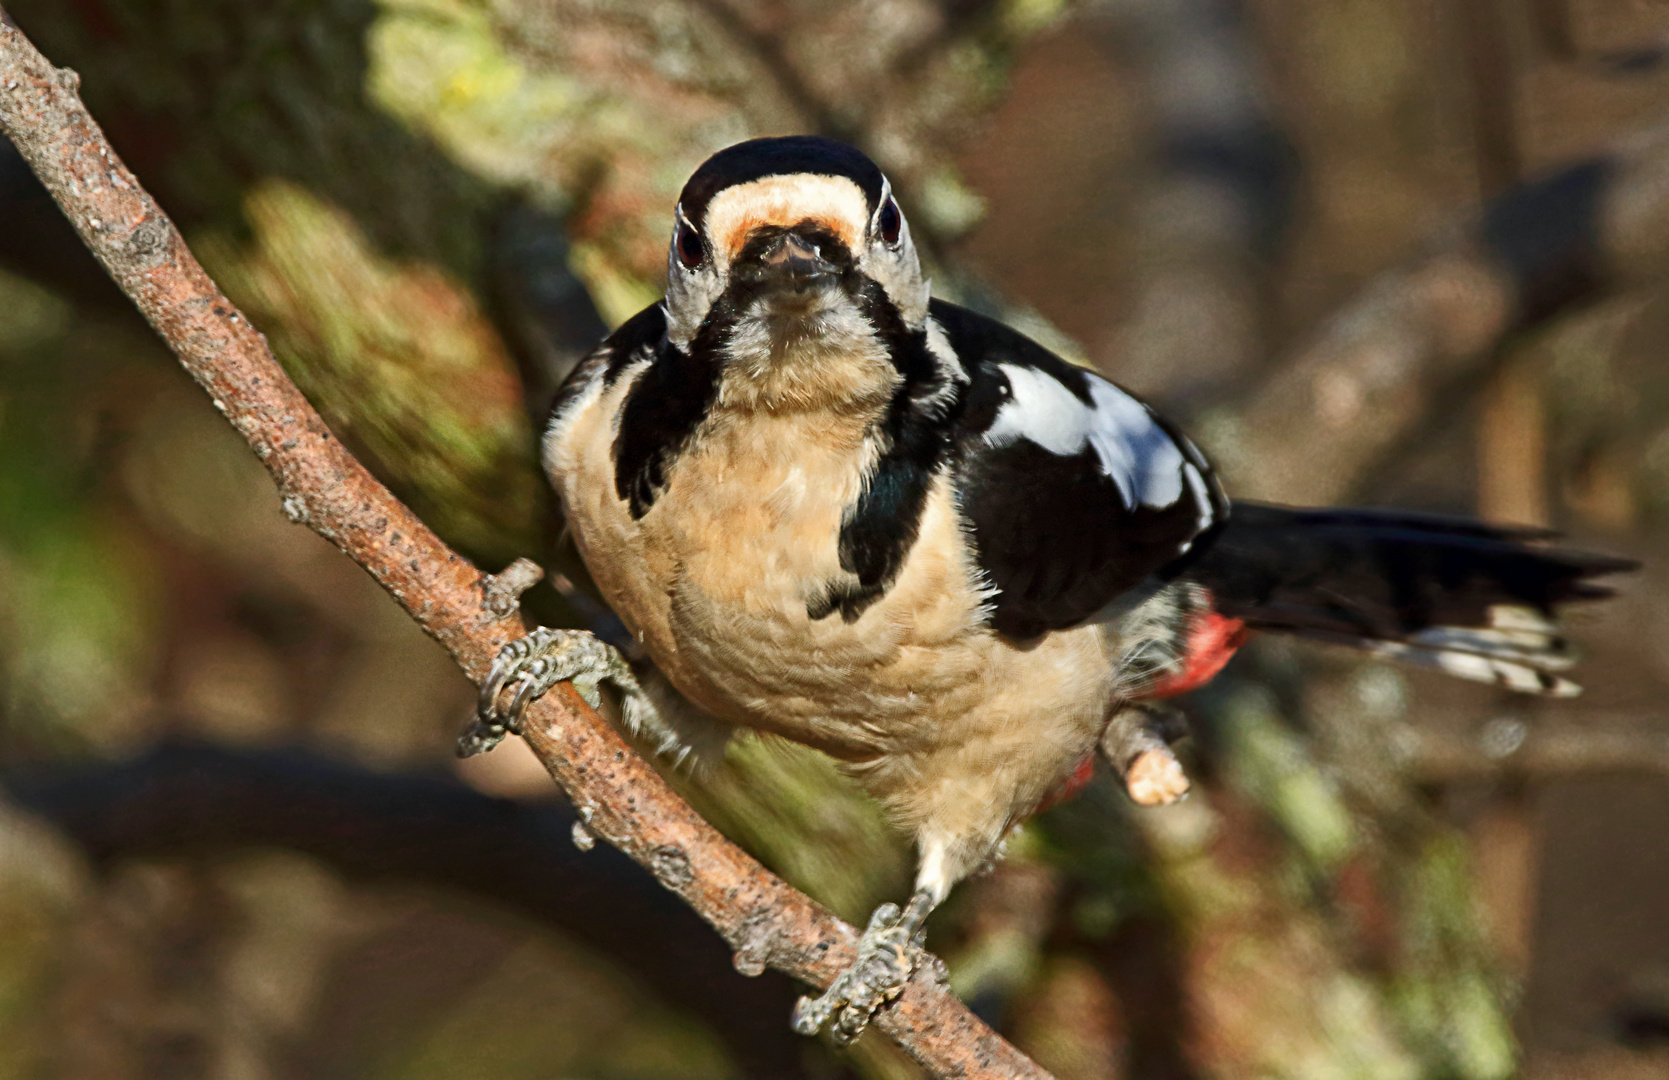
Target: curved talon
pixel 487 703
pixel 529 689
pixel 531 665
pixel 879 974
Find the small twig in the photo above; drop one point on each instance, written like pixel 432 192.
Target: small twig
pixel 621 798
pixel 1137 745
pixel 504 589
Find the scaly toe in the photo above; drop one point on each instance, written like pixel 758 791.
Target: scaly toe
pixel 877 976
pixel 525 669
pixel 479 737
pixel 810 1014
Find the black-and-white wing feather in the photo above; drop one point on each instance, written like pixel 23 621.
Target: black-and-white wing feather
pixel 1075 491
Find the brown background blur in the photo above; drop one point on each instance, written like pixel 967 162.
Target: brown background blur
pixel 233 842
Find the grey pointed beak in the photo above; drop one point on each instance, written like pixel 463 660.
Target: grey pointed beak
pixel 794 261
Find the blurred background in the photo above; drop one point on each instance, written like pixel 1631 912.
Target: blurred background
pixel 233 841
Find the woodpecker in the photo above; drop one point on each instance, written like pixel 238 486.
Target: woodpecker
pixel 835 509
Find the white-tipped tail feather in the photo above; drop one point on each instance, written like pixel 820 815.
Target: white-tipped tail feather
pixel 1515 634
pixel 1520 675
pixel 1520 650
pixel 1471 600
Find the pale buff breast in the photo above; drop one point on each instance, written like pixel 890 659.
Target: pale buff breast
pixel 715 580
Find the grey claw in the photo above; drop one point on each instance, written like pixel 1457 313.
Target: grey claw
pixel 877 976
pixel 497 676
pixel 525 693
pixel 531 665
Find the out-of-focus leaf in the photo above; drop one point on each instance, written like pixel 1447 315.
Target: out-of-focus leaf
pixel 1274 767
pixel 1449 998
pixel 78 610
pixel 552 1011
pixel 398 358
pixel 30 316
pixel 792 808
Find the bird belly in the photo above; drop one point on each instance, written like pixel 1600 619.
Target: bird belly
pixel 928 707
pixel 753 513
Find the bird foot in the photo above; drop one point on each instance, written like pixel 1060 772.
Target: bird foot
pixel 531 665
pixel 877 976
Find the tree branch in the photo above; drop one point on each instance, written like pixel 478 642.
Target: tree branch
pixel 622 799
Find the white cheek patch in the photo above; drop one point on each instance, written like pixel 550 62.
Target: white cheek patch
pixel 1136 454
pixel 898 272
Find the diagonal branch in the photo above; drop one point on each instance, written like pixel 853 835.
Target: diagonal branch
pixel 623 799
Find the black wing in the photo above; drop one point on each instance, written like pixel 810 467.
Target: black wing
pixel 638 336
pixel 1076 492
pixel 662 409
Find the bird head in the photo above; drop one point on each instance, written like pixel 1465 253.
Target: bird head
pixel 790 238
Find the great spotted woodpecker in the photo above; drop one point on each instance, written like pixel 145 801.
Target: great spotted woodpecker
pixel 837 510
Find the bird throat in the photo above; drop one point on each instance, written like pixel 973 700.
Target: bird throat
pixel 794 353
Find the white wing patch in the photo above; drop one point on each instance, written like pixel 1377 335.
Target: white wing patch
pixel 1138 455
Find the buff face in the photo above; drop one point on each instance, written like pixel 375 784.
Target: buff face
pixel 797 253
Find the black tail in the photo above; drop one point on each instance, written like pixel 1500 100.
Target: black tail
pixel 1474 600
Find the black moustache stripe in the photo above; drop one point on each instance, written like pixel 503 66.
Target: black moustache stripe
pixel 917 434
pixel 665 406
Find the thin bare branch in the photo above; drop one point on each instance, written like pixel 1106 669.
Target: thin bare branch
pixel 618 795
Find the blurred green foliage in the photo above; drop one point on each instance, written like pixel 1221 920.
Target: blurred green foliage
pixel 78 602
pixel 400 360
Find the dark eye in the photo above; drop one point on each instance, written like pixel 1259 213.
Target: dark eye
pixel 891 221
pixel 689 246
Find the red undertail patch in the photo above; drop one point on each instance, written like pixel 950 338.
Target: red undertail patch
pixel 1212 641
